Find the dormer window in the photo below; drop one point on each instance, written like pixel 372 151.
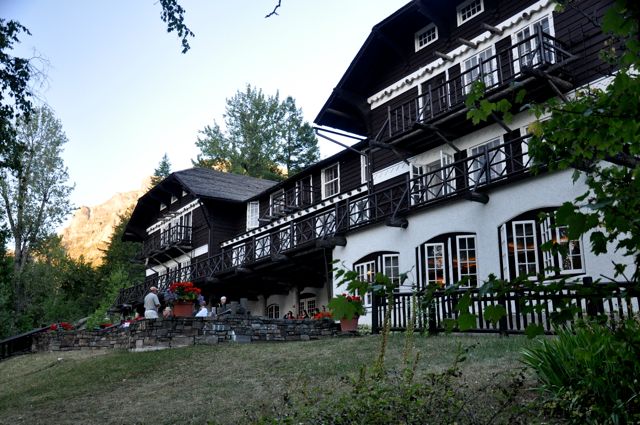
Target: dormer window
pixel 426 36
pixel 469 9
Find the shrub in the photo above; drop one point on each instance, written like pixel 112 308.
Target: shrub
pixel 591 374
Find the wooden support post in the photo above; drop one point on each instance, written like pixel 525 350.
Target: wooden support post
pixel 375 305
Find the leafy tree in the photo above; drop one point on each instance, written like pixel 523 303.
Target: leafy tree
pixel 121 255
pixel 173 16
pixel 15 94
pixel 163 170
pixel 598 133
pixel 263 136
pixel 34 194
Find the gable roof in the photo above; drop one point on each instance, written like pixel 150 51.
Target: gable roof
pixel 386 51
pixel 212 184
pixel 202 183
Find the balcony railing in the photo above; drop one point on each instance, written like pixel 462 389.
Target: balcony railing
pixel 174 236
pixel 493 166
pixel 291 200
pixel 509 65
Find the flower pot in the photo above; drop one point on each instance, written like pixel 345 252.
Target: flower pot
pixel 182 309
pixel 349 325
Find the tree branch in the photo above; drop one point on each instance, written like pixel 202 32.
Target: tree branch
pixel 274 10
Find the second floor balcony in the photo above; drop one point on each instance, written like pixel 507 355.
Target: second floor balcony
pixel 500 70
pixel 169 238
pixel 470 178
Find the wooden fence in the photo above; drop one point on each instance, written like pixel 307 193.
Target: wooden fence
pixel 523 307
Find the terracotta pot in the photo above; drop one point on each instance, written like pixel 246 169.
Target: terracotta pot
pixel 183 309
pixel 349 325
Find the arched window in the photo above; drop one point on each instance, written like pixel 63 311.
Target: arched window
pixel 273 311
pixel 447 259
pixel 520 247
pixel 385 262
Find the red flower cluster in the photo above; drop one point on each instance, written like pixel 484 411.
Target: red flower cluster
pixel 353 298
pixel 184 291
pixel 62 325
pixel 322 315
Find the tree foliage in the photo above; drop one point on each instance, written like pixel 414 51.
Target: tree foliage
pixel 15 94
pixel 34 194
pixel 163 170
pixel 173 16
pixel 598 133
pixel 264 137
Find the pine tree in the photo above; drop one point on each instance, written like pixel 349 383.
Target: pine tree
pixel 163 170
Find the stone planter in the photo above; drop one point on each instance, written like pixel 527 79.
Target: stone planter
pixel 349 325
pixel 182 309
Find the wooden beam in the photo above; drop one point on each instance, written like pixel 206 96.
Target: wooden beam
pixel 474 196
pixel 443 56
pixel 400 222
pixel 491 29
pixel 393 46
pixel 469 43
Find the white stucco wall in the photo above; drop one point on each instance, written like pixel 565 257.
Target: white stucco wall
pixel 548 190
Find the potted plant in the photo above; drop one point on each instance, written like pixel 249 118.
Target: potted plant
pixel 182 295
pixel 347 308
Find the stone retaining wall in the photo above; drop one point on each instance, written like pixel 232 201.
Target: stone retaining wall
pixel 181 332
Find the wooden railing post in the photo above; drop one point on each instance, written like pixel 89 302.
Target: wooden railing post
pixel 375 305
pixel 503 324
pixel 594 300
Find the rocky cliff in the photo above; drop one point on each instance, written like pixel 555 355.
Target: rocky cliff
pixel 90 229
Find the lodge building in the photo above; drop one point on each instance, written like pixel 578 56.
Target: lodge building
pixel 423 190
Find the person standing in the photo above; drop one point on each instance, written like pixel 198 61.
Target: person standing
pixel 151 304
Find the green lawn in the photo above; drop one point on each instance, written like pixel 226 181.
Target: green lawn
pixel 227 383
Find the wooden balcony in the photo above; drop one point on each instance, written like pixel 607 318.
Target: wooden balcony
pixel 508 69
pixel 167 241
pixel 468 178
pixel 289 201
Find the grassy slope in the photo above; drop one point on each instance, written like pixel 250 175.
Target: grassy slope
pixel 217 383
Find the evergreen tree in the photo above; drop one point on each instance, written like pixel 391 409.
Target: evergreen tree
pixel 264 137
pixel 300 146
pixel 163 170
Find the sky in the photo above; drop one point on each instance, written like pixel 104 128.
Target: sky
pixel 126 95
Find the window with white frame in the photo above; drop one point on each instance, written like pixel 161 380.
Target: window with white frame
pixel 276 203
pixel 307 305
pixel 435 264
pixel 364 169
pixel 480 67
pixel 391 267
pixel 432 180
pixel 449 258
pixel 426 36
pixel 366 273
pixel 521 241
pixel 385 262
pixel 469 9
pixel 358 211
pixel 527 51
pixel 486 162
pixel 273 311
pixel 330 181
pixel 253 214
pixel 466 256
pixel 304 192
